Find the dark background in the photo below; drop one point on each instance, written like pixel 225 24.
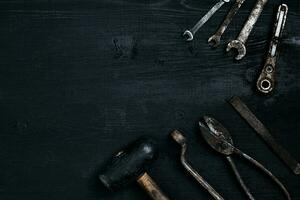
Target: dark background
pixel 80 79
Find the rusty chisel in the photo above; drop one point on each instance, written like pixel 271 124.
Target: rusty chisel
pixel 258 126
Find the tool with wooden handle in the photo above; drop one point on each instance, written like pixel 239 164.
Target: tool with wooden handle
pixel 130 165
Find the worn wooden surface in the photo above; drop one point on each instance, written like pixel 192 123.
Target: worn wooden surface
pixel 79 79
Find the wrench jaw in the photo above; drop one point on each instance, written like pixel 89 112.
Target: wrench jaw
pixel 239 46
pixel 214 41
pixel 188 35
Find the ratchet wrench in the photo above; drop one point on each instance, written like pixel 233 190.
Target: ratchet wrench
pixel 266 80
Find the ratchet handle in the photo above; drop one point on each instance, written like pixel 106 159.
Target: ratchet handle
pixel 266 80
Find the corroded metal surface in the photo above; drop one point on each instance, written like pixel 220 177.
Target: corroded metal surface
pixel 218 137
pixel 260 128
pixel 266 80
pixel 214 40
pixel 180 139
pixel 239 43
pixel 189 34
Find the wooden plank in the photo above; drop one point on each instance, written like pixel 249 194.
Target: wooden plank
pixel 79 79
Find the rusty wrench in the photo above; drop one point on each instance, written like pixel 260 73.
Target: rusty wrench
pixel 239 43
pixel 181 140
pixel 214 40
pixel 266 80
pixel 190 33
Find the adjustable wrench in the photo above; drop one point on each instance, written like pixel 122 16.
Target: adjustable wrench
pixel 239 43
pixel 266 80
pixel 214 40
pixel 190 33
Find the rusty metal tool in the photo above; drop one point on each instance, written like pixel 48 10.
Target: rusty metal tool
pixel 215 39
pixel 181 140
pixel 130 165
pixel 189 34
pixel 218 137
pixel 258 126
pixel 239 43
pixel 266 80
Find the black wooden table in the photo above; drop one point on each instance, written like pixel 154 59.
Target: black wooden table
pixel 80 79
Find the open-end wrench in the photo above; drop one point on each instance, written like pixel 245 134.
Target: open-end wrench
pixel 266 80
pixel 239 43
pixel 189 34
pixel 214 40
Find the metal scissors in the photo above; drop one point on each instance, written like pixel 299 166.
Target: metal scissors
pixel 219 138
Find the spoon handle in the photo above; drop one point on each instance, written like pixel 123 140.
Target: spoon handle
pixel 267 172
pixel 239 178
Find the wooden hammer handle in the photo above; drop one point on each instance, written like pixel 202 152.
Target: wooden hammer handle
pixel 148 184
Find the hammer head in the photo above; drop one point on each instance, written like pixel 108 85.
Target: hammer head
pixel 129 164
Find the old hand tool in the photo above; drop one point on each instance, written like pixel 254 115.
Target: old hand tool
pixel 129 165
pixel 190 33
pixel 252 120
pixel 181 140
pixel 239 43
pixel 214 40
pixel 218 137
pixel 266 80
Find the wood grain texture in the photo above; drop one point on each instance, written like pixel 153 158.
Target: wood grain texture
pixel 79 79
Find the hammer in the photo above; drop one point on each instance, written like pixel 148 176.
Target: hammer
pixel 130 165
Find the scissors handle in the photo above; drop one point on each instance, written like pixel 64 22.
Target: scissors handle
pixel 239 178
pixel 267 172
